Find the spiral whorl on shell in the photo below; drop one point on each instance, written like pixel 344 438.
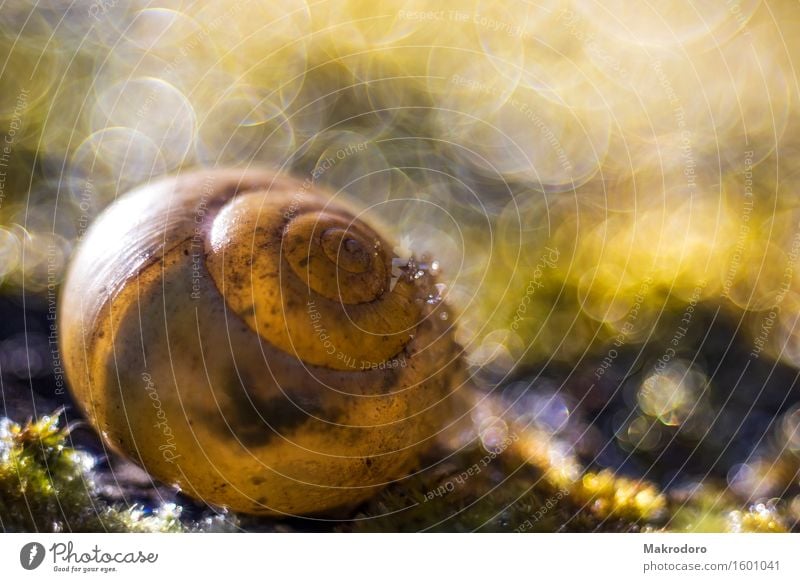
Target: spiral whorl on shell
pixel 250 341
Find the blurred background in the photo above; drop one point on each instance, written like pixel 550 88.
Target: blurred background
pixel 611 192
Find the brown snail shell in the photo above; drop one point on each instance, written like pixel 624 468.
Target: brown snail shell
pixel 241 336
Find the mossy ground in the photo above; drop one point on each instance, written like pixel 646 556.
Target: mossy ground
pixel 48 486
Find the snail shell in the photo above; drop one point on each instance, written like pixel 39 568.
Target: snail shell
pixel 241 337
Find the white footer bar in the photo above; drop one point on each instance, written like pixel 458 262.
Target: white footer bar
pixel 389 557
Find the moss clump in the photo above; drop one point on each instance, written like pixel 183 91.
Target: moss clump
pixel 47 486
pixel 524 491
pixel 711 509
pixel 504 496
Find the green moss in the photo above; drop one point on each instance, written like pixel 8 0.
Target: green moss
pixel 47 486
